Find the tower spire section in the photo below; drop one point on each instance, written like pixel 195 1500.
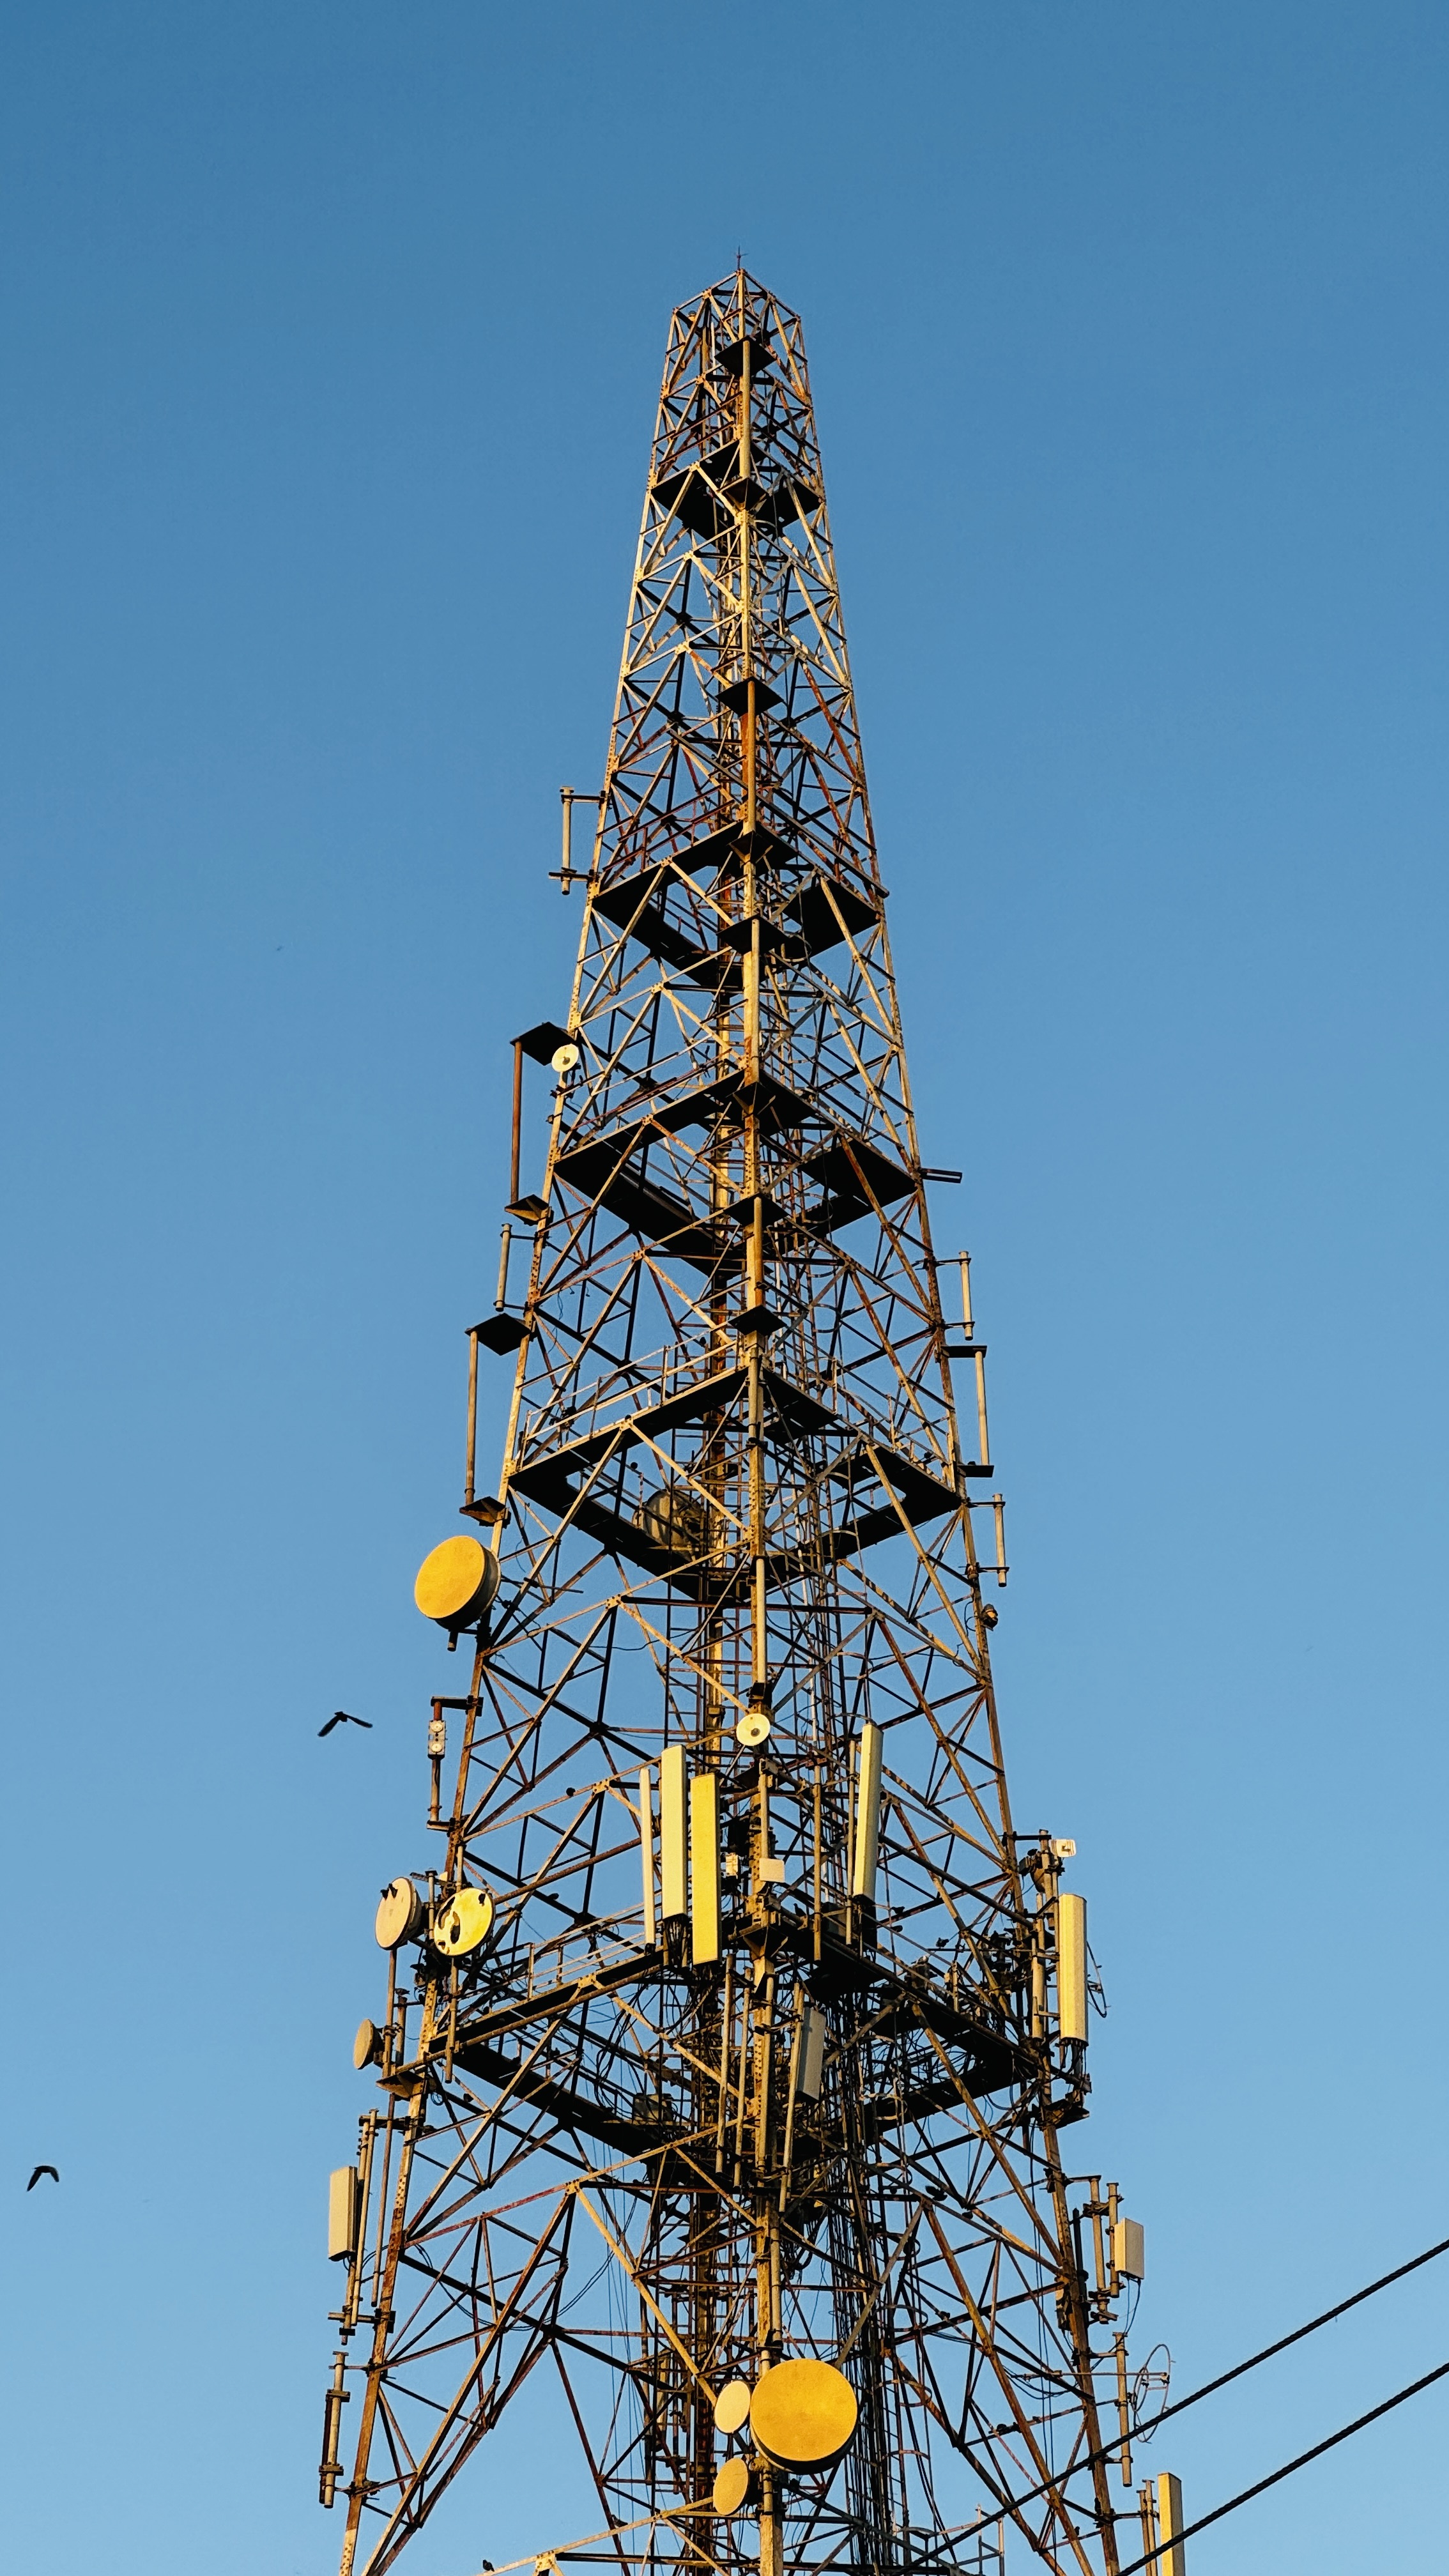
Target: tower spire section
pixel 731 2040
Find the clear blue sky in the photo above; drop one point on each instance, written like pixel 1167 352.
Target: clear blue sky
pixel 331 341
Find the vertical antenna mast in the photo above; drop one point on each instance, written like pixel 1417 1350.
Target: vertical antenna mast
pixel 730 2040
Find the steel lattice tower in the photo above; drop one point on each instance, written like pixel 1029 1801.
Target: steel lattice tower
pixel 736 2023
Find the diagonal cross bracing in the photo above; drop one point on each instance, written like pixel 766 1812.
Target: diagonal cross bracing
pixel 805 2064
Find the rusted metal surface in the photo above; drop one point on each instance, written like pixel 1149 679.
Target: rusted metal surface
pixel 734 1516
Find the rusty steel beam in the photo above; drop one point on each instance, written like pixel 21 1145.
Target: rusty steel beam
pixel 809 2081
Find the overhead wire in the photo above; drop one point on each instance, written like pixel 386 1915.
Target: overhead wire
pixel 1209 2385
pixel 1154 2557
pixel 1110 2450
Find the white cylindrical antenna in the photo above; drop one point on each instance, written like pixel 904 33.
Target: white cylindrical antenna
pixel 646 1854
pixel 704 1868
pixel 673 1846
pixel 982 1434
pixel 470 1463
pixel 344 2213
pixel 810 2053
pixel 1071 1928
pixel 867 1812
pixel 1172 2556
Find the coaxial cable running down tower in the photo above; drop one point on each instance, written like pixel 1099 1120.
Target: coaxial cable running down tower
pixel 731 2042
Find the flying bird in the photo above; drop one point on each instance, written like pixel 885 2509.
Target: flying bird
pixel 343 1717
pixel 39 2170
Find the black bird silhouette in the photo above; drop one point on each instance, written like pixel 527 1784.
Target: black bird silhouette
pixel 342 1717
pixel 39 2170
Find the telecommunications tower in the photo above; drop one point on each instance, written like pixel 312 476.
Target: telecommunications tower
pixel 736 2037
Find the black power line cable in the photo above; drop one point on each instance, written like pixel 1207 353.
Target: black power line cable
pixel 1109 2450
pixel 1154 2557
pixel 1296 2336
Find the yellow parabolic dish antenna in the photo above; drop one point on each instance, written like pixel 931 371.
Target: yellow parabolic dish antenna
pixel 463 1922
pixel 731 2486
pixel 732 2406
pixel 456 1583
pixel 803 2414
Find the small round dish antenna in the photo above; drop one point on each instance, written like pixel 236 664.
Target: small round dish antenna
pixel 367 2046
pixel 462 1922
pixel 732 2486
pixel 399 1915
pixel 456 1583
pixel 732 2406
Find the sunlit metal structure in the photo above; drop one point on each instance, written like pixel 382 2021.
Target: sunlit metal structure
pixel 736 2024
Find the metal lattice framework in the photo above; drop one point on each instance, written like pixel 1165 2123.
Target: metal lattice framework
pixel 789 2078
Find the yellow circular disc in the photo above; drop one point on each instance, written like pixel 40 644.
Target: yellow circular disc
pixel 399 1914
pixel 753 1730
pixel 732 2406
pixel 732 2486
pixel 463 1922
pixel 803 2414
pixel 367 2046
pixel 456 1583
